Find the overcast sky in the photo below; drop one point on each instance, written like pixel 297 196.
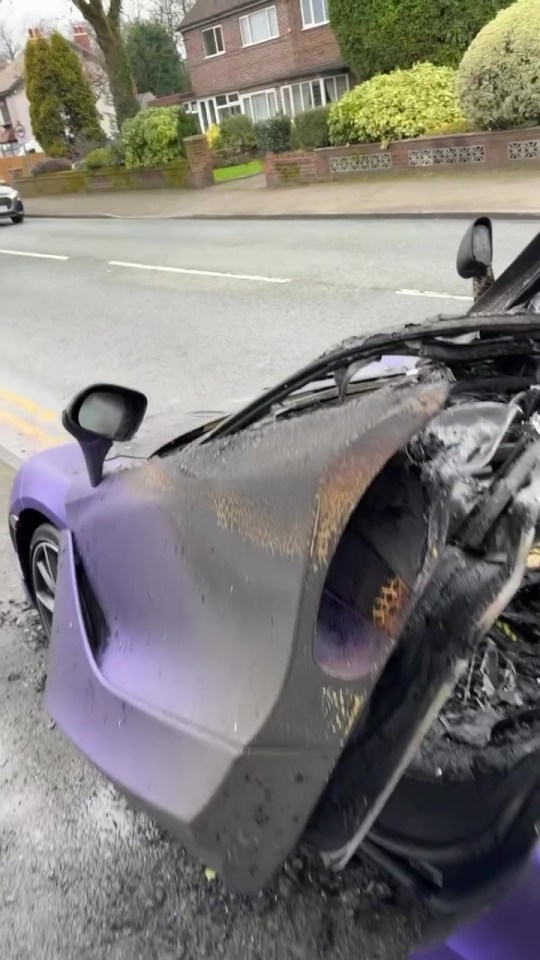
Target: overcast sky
pixel 18 15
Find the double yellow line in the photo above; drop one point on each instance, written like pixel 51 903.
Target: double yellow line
pixel 28 418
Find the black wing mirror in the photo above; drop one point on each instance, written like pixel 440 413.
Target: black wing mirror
pixel 98 417
pixel 475 255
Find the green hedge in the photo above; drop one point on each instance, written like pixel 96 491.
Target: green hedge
pixel 377 36
pixel 274 136
pixel 312 128
pixel 155 137
pixel 397 105
pixel 499 78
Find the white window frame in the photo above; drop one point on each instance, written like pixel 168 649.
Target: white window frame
pixel 313 24
pixel 245 22
pixel 209 56
pixel 257 93
pixel 317 80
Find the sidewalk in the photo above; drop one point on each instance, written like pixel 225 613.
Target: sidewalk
pixel 506 192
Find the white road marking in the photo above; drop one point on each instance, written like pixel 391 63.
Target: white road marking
pixel 433 294
pixel 25 253
pixel 198 273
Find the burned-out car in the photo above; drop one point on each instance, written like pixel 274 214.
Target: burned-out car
pixel 316 618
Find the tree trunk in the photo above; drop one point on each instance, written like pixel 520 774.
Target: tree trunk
pixel 107 30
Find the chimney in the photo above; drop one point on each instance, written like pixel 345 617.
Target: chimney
pixel 81 37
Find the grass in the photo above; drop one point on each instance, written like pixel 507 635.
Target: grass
pixel 222 174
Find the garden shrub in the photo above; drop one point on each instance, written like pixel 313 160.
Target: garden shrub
pixel 213 136
pixel 98 159
pixel 312 128
pixel 498 83
pixel 395 106
pixel 51 165
pixel 376 36
pixel 237 134
pixel 155 136
pixel 274 136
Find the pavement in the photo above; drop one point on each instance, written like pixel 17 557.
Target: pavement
pixel 198 315
pixel 510 192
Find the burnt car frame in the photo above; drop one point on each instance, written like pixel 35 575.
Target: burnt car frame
pixel 255 631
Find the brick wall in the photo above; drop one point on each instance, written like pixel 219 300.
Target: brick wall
pixel 295 52
pixel 199 158
pixel 480 151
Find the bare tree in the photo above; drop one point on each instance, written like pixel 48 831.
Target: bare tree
pixel 169 13
pixel 10 46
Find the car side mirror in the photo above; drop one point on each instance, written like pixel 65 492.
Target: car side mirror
pixel 475 255
pixel 99 416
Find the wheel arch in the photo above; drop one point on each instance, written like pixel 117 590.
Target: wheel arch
pixel 29 521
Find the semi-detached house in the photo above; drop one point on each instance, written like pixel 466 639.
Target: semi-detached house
pixel 261 58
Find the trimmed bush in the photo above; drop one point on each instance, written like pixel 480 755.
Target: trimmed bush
pixel 312 128
pixel 498 82
pixel 155 137
pixel 51 165
pixel 237 134
pixel 98 159
pixel 213 135
pixel 274 136
pixel 376 36
pixel 395 106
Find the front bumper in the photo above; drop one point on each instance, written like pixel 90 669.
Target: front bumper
pixel 10 208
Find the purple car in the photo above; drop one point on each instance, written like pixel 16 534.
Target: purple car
pixel 317 618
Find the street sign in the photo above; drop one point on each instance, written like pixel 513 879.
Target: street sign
pixel 20 132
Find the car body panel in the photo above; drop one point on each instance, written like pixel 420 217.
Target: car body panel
pixel 208 568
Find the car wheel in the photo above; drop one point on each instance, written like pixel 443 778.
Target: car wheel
pixel 18 219
pixel 44 549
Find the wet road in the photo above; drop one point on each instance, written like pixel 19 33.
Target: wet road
pixel 199 314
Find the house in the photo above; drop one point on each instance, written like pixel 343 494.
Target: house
pixel 260 58
pixel 14 105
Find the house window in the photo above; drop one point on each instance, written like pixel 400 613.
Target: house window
pixel 260 106
pixel 227 104
pixel 314 12
pixel 299 97
pixel 4 113
pixel 212 40
pixel 258 27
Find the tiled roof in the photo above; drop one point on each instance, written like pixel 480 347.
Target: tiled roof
pixel 204 10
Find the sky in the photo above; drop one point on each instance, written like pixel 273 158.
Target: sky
pixel 18 15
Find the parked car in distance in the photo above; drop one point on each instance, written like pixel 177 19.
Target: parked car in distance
pixel 11 205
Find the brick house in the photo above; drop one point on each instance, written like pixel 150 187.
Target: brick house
pixel 260 58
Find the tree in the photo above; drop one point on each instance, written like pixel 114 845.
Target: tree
pixel 153 58
pixel 107 27
pixel 376 36
pixel 170 13
pixel 62 108
pixel 10 47
pixel 498 77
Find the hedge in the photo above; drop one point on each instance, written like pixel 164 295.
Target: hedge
pixel 274 136
pixel 397 105
pixel 498 82
pixel 312 128
pixel 376 36
pixel 155 137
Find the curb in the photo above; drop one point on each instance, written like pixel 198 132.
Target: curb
pixel 412 215
pixel 10 459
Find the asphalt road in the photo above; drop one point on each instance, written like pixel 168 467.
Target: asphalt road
pixel 194 340
pixel 81 877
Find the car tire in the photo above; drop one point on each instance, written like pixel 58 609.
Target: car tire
pixel 18 219
pixel 44 551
